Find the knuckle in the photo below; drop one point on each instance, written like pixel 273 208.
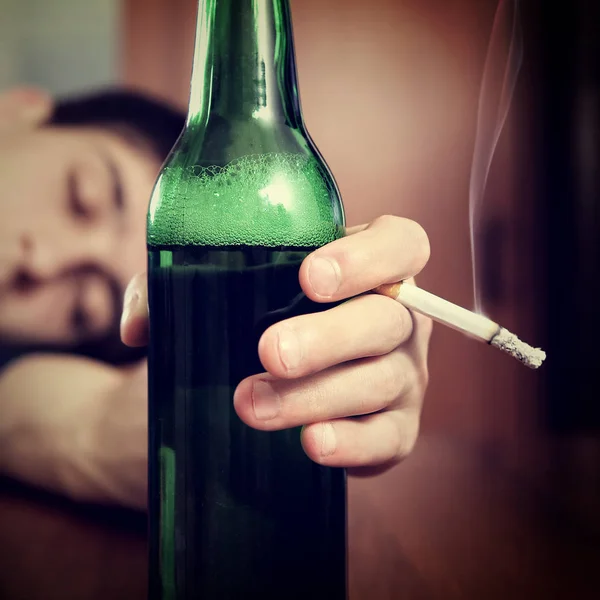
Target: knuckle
pixel 387 220
pixel 400 323
pixel 424 325
pixel 394 326
pixel 409 229
pixel 420 380
pixel 424 378
pixel 357 258
pixel 422 246
pixel 407 433
pixel 316 401
pixel 391 378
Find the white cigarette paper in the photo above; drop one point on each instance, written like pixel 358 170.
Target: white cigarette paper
pixel 463 320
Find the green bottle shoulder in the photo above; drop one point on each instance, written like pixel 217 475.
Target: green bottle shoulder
pixel 270 199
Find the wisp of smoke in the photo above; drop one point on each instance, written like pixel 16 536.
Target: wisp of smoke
pixel 502 65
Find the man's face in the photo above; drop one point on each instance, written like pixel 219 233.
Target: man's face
pixel 72 231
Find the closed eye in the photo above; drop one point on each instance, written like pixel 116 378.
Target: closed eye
pixel 76 205
pixel 117 184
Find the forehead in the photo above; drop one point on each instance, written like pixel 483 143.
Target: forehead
pixel 122 142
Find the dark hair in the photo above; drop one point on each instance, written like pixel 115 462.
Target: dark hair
pixel 156 122
pixel 158 125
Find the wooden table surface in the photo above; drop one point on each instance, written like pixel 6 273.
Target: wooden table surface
pixel 441 526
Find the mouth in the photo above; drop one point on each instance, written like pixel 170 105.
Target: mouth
pixel 19 283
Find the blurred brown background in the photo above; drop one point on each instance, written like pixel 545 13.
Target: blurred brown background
pixel 389 90
pixel 494 501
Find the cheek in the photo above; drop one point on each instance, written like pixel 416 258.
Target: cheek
pixel 135 239
pixel 131 256
pixel 141 175
pixel 31 198
pixel 140 197
pixel 35 172
pixel 97 304
pixel 136 234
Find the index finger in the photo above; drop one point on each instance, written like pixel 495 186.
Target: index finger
pixel 388 250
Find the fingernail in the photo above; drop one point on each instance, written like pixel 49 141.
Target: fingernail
pixel 265 401
pixel 130 302
pixel 328 441
pixel 324 276
pixel 290 352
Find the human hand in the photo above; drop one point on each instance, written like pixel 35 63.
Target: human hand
pixel 355 375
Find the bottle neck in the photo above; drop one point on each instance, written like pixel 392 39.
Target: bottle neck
pixel 244 65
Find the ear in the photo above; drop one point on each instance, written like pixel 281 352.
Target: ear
pixel 24 107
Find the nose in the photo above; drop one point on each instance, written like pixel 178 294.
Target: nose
pixel 26 244
pixel 46 257
pixel 37 262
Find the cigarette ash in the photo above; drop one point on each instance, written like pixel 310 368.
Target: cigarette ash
pixel 508 342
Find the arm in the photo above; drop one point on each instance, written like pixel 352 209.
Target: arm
pixel 66 425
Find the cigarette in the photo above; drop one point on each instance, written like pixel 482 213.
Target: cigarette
pixel 463 320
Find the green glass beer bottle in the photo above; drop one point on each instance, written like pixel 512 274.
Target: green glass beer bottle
pixel 242 199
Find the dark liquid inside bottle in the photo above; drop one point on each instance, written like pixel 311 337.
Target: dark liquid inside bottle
pixel 243 513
